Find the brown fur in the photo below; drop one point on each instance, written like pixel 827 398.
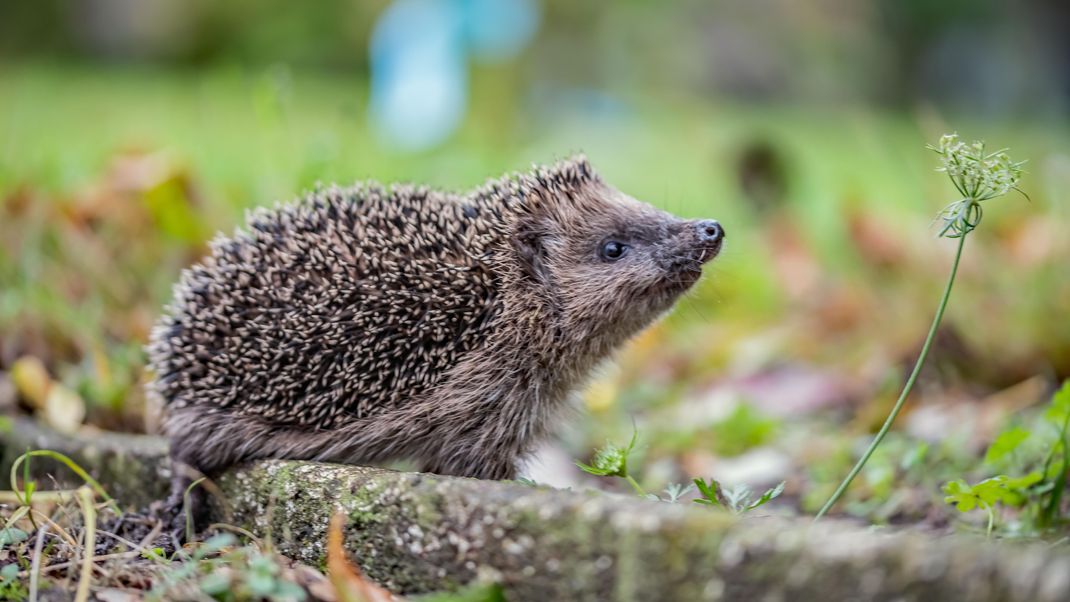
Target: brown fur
pixel 362 324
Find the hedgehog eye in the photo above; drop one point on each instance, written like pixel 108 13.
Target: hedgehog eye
pixel 613 250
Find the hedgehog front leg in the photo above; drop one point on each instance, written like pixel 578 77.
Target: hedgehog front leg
pixel 185 498
pixel 204 444
pixel 186 495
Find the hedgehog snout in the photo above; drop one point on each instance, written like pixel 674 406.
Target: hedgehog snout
pixel 696 243
pixel 709 236
pixel 709 231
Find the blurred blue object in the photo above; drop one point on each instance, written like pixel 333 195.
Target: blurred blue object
pixel 418 73
pixel 497 30
pixel 419 62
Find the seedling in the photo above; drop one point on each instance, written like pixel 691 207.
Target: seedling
pixel 1045 461
pixel 612 461
pixel 989 492
pixel 737 499
pixel 674 491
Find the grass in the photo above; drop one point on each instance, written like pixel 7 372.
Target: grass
pixel 51 542
pixel 836 275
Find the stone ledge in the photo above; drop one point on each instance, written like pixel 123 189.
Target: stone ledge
pixel 417 532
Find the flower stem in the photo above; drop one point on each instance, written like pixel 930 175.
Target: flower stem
pixel 635 485
pixel 906 388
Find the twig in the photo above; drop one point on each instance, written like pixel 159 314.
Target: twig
pixel 102 557
pixel 139 548
pixel 89 511
pixel 13 497
pixel 151 537
pixel 35 564
pixel 59 530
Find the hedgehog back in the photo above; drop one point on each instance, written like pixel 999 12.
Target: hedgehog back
pixel 340 306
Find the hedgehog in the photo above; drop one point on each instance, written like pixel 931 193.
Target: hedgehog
pixel 369 324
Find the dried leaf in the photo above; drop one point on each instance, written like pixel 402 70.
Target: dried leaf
pixel 64 409
pixel 350 585
pixel 31 379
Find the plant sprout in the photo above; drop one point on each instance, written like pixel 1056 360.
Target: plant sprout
pixel 978 176
pixel 612 461
pixel 737 499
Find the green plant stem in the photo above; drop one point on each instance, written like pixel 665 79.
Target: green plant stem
pixel 187 507
pixel 635 485
pixel 24 496
pixel 906 388
pixel 1049 514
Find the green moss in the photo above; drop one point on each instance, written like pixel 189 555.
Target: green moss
pixel 419 533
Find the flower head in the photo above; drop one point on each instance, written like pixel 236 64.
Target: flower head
pixel 611 460
pixel 978 176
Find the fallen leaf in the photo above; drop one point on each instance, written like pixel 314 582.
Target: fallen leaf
pixel 64 409
pixel 31 380
pixel 350 585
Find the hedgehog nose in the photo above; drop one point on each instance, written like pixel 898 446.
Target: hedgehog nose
pixel 709 231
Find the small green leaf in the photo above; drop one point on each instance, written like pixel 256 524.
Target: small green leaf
pixel 592 470
pixel 1023 483
pixel 12 535
pixel 915 456
pixel 708 492
pixel 999 489
pixel 742 430
pixel 961 495
pixel 287 590
pixel 768 495
pixel 215 583
pixel 1005 444
pixel 1059 409
pixel 991 490
pixel 261 584
pixel 156 554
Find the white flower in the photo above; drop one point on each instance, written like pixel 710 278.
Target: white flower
pixel 978 176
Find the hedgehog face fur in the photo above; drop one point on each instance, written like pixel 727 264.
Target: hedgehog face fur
pixel 613 264
pixel 366 324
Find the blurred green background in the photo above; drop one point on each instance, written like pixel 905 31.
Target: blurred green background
pixel 132 130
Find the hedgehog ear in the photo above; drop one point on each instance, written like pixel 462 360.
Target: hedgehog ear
pixel 531 252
